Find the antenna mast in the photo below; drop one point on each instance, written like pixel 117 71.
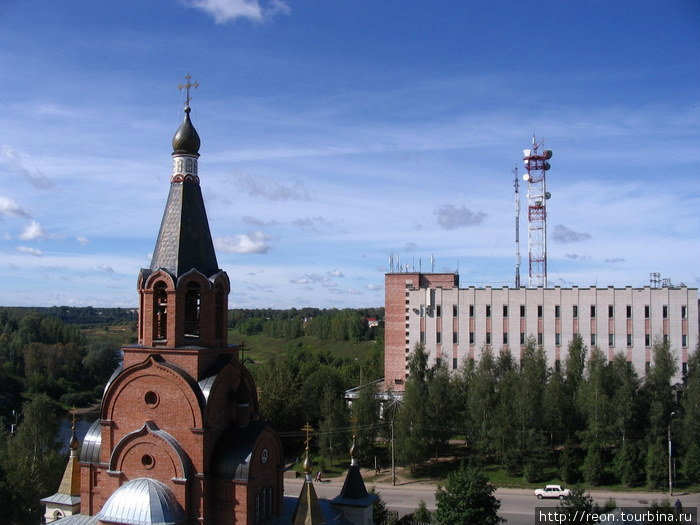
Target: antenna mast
pixel 536 164
pixel 517 227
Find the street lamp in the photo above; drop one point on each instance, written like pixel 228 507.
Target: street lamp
pixel 670 454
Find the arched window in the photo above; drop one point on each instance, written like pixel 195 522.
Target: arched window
pixel 219 313
pixel 160 313
pixel 192 306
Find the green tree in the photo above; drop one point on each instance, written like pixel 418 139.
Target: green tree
pixel 593 464
pixel 334 415
pixel 625 403
pixel 380 514
pixel 30 462
pixel 658 389
pixel 439 406
pixel 422 514
pixel 574 365
pixel 467 499
pixel 627 465
pixel 366 410
pixel 656 466
pixel 576 502
pixel 690 422
pixel 481 402
pixel 100 362
pixel 569 463
pixel 691 463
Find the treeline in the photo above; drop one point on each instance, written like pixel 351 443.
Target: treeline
pixel 81 315
pixel 328 325
pixel 42 355
pixel 591 420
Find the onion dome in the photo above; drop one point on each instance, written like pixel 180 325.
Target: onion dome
pixel 186 140
pixel 142 501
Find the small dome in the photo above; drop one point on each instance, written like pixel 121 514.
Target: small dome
pixel 142 501
pixel 186 139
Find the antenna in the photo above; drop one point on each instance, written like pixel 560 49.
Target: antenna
pixel 432 264
pixel 517 227
pixel 537 165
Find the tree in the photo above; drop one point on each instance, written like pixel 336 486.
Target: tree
pixel 691 463
pixel 568 463
pixel 656 466
pixel 627 464
pixel 593 464
pixel 101 361
pixel 334 415
pixel 422 514
pixel 366 409
pixel 658 389
pixel 481 404
pixel 380 514
pixel 467 499
pixel 576 502
pixel 30 462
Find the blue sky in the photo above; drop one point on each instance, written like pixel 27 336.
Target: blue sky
pixel 335 133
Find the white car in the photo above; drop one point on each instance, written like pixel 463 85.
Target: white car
pixel 552 491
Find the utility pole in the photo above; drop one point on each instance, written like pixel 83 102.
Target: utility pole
pixel 670 454
pixel 393 464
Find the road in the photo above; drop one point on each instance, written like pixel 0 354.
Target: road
pixel 517 505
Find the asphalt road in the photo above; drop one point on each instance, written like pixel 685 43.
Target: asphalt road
pixel 517 505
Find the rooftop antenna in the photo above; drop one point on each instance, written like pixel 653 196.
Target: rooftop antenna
pixel 537 165
pixel 432 264
pixel 517 227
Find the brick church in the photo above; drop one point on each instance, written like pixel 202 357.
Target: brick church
pixel 179 438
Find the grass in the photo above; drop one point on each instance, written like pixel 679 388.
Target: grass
pixel 116 334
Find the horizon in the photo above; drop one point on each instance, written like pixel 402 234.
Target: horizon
pixel 334 135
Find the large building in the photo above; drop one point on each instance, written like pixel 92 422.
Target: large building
pixel 455 323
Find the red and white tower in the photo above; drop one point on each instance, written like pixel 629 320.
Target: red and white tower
pixel 536 164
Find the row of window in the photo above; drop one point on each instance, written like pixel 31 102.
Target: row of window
pixel 557 311
pixel 540 339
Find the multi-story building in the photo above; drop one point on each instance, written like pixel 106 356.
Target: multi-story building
pixel 455 323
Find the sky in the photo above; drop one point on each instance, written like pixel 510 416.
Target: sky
pixel 337 133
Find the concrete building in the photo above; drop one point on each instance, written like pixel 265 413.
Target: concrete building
pixel 456 323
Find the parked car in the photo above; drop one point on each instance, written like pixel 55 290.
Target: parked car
pixel 552 491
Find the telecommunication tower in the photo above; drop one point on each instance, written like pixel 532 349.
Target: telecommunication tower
pixel 517 228
pixel 536 164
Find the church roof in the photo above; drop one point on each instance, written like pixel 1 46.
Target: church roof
pixel 184 241
pixel 142 501
pixel 92 443
pixel 186 140
pixel 354 492
pixel 308 509
pixel 234 450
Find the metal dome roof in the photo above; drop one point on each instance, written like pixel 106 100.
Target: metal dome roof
pixel 186 139
pixel 142 501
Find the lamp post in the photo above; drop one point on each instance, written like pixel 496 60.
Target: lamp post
pixel 670 455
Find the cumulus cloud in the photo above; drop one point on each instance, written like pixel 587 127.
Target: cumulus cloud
pixel 271 189
pixel 12 159
pixel 325 280
pixel 82 240
pixel 251 242
pixel 30 251
pixel 254 221
pixel 452 217
pixel 10 208
pixel 373 287
pixel 105 268
pixel 227 10
pixel 615 260
pixel 563 235
pixel 336 273
pixel 33 232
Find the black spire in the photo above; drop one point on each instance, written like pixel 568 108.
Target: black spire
pixel 186 140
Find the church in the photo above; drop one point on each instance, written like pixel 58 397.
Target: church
pixel 179 440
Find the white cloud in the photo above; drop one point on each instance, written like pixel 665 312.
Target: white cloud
pixel 105 268
pixel 562 235
pixel 252 242
pixel 30 251
pixel 226 10
pixel 33 232
pixel 451 217
pixel 374 287
pixel 336 273
pixel 13 161
pixel 10 208
pixel 82 240
pixel 615 260
pixel 271 189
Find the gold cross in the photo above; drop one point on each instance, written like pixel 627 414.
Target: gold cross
pixel 187 86
pixel 307 428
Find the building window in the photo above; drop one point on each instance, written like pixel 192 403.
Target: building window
pixel 647 339
pixel 629 339
pixel 488 310
pixel 192 307
pixel 160 324
pixel 454 363
pixel 505 338
pixel 684 312
pixel 557 339
pixel 592 339
pixel 505 310
pixel 665 339
pixel 455 310
pixel 488 338
pixel 220 313
pixel 575 311
pixel 438 361
pixel 438 311
pixel 540 338
pixel 592 311
pixel 611 339
pixel 522 338
pixel 522 310
pixel 438 337
pixel 408 342
pixel 422 310
pixel 422 337
pixel 540 309
pixel 646 311
pixel 455 337
pixel 471 338
pixel 629 311
pixel 684 341
pixel 664 311
pixel 611 311
pixel 408 294
pixel 471 310
pixel 684 369
pixel 557 311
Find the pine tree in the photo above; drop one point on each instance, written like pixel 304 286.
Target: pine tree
pixel 656 466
